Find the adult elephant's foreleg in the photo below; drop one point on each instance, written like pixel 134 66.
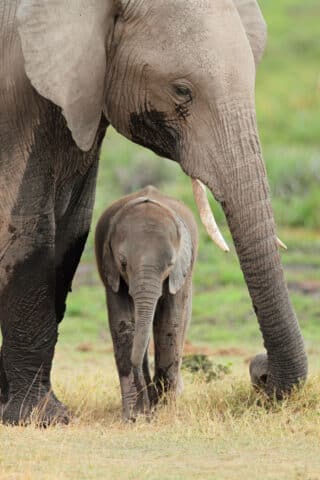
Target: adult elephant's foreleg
pixel 72 229
pixel 4 386
pixel 66 269
pixel 28 323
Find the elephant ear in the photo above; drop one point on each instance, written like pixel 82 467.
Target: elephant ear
pixel 183 262
pixel 255 26
pixel 63 43
pixel 109 268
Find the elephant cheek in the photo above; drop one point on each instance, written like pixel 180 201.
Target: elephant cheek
pixel 151 130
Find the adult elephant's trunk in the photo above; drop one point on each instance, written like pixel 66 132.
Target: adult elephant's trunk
pixel 145 292
pixel 240 174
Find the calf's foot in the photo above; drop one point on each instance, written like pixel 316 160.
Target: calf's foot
pixel 135 399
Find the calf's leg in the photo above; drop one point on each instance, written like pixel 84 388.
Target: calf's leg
pixel 133 385
pixel 171 321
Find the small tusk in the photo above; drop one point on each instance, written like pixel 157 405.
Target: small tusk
pixel 206 215
pixel 281 244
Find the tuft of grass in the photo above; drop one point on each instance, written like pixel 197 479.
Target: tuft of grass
pixel 201 366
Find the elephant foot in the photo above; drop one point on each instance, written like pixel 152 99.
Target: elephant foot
pixel 154 395
pixel 259 371
pixel 50 411
pixel 135 398
pixel 44 412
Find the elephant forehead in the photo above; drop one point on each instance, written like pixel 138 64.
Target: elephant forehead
pixel 194 37
pixel 182 12
pixel 148 218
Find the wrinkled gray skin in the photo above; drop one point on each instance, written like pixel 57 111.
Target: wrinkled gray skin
pixel 175 76
pixel 146 245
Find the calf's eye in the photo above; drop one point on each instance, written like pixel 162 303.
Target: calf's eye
pixel 123 262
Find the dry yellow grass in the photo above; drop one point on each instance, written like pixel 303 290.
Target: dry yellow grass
pixel 222 430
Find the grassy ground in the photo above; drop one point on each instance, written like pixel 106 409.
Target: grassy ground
pixel 222 429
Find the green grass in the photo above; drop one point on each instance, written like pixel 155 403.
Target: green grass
pixel 288 91
pixel 221 430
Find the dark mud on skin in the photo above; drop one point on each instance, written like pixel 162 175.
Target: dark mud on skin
pixel 65 273
pixel 152 130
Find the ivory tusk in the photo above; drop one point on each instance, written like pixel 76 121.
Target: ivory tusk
pixel 206 215
pixel 281 244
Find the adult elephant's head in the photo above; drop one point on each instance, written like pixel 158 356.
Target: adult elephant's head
pixel 178 77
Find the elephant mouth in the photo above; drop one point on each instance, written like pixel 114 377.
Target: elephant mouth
pixel 207 216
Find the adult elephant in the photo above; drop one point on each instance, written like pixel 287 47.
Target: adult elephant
pixel 177 77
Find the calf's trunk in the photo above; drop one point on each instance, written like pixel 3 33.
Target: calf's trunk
pixel 146 293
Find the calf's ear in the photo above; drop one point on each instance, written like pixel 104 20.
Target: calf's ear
pixel 110 270
pixel 184 258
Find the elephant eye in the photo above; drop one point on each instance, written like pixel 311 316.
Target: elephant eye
pixel 123 262
pixel 183 92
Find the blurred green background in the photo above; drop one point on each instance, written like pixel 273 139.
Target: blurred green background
pixel 288 108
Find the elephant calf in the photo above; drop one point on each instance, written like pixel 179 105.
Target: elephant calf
pixel 146 245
